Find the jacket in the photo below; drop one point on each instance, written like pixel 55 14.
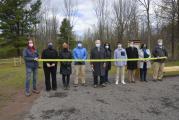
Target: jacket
pixel 80 53
pixel 49 54
pixel 65 67
pixel 120 54
pixel 141 55
pixel 29 58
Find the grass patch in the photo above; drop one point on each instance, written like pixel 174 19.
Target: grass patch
pixel 12 79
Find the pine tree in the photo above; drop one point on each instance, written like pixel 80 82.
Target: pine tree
pixel 66 34
pixel 17 20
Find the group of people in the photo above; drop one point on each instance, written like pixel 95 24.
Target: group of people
pixel 100 69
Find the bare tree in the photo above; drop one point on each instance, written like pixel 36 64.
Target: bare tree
pixel 123 11
pixel 147 4
pixel 70 10
pixel 101 11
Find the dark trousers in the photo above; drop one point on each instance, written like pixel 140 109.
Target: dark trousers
pixel 96 80
pixel 50 72
pixel 106 76
pixel 143 72
pixel 66 80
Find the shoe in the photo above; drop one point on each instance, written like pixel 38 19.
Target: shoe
pixel 123 83
pixel 117 82
pixel 154 80
pixel 145 81
pixel 84 84
pixel 75 85
pixel 160 80
pixel 103 85
pixel 133 81
pixel 27 94
pixel 35 91
pixel 95 86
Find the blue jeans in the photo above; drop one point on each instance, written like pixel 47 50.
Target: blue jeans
pixel 29 71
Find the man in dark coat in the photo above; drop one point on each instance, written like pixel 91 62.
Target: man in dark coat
pixel 98 67
pixel 132 52
pixel 50 68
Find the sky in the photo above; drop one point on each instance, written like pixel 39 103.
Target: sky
pixel 85 17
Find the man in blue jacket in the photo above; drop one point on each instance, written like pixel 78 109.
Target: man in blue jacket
pixel 80 53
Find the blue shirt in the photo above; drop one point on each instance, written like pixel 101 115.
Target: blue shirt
pixel 120 54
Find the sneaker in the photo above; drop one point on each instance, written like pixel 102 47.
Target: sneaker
pixel 123 83
pixel 35 91
pixel 95 86
pixel 103 85
pixel 117 82
pixel 27 94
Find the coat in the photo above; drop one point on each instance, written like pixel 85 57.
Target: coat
pixel 120 54
pixel 29 58
pixel 65 67
pixel 108 56
pixel 160 52
pixel 141 55
pixel 98 67
pixel 132 53
pixel 49 54
pixel 80 53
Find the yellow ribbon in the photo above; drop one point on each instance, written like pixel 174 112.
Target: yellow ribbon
pixel 99 60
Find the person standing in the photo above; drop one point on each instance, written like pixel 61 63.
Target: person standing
pixel 30 56
pixel 120 53
pixel 108 64
pixel 65 67
pixel 98 68
pixel 144 52
pixel 50 68
pixel 132 53
pixel 80 53
pixel 158 65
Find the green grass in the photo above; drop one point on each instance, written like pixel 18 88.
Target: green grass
pixel 12 79
pixel 170 63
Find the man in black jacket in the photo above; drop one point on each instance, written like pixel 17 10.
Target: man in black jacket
pixel 158 65
pixel 50 68
pixel 98 68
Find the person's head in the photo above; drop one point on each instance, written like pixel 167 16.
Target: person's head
pixel 160 42
pixel 131 43
pixel 119 45
pixel 98 43
pixel 106 45
pixel 79 44
pixel 143 46
pixel 65 45
pixel 50 45
pixel 30 43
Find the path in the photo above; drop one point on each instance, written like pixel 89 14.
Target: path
pixel 140 101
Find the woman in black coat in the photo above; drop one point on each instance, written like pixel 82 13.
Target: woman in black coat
pixel 108 64
pixel 65 67
pixel 132 53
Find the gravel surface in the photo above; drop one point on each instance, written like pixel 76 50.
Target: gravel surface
pixel 139 101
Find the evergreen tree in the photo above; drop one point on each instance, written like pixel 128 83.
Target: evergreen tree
pixel 17 20
pixel 66 34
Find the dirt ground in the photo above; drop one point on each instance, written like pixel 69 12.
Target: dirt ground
pixel 139 101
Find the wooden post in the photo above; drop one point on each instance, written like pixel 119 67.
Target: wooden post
pixel 14 62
